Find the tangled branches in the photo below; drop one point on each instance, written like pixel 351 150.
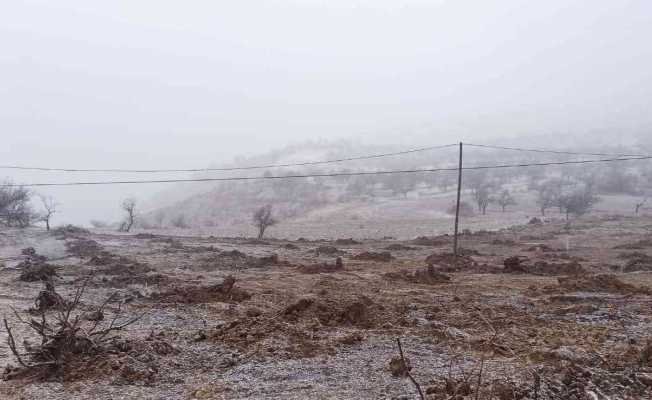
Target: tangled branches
pixel 67 338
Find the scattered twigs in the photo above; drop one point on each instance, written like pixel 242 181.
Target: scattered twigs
pixel 407 369
pixel 64 339
pixel 12 344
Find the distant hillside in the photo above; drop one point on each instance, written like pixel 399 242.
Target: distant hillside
pixel 232 203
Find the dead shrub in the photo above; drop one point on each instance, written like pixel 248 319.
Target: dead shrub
pixel 68 342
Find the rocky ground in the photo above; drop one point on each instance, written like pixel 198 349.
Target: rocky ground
pixel 534 311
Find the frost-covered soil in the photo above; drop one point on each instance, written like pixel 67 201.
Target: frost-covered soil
pixel 287 331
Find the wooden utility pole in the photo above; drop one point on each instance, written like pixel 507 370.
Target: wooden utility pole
pixel 457 206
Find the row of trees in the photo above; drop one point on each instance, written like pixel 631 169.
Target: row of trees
pixel 16 209
pixel 569 197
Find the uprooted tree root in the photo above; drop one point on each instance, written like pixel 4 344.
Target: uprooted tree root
pixel 48 299
pixel 67 340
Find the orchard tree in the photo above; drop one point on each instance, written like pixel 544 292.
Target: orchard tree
pixel 263 219
pixel 14 205
pixel 129 207
pixel 505 199
pixel 49 209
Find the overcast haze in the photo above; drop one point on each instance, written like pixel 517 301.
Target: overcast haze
pixel 169 84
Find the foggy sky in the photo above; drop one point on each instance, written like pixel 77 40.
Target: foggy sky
pixel 169 84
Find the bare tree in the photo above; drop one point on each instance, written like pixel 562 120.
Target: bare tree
pixel 263 219
pixel 578 202
pixel 14 206
pixel 639 205
pixel 400 183
pixel 49 209
pixel 483 198
pixel 505 199
pixel 129 207
pixel 548 194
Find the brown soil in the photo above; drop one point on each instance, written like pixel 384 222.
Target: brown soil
pixel 83 247
pixel 322 268
pixel 328 250
pixel 599 283
pixel 399 247
pixel 426 276
pixel 223 292
pixel 384 256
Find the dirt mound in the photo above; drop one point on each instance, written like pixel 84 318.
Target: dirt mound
pixel 144 236
pixel 290 246
pixel 535 221
pixel 83 247
pixel 35 268
pixel 225 292
pixel 235 259
pixel 545 268
pixel 399 247
pixel 328 250
pixel 516 264
pixel 322 268
pixel 122 281
pixel 448 263
pixel 346 242
pixel 70 231
pixel 541 248
pixel 432 241
pixel 639 245
pixel 503 242
pixel 112 264
pixel 354 312
pixel 608 283
pixel 426 276
pixel 372 256
pixel 636 261
pixel 258 242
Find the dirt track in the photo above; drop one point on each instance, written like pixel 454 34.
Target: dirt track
pixel 296 325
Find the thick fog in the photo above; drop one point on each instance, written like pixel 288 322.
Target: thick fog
pixel 169 84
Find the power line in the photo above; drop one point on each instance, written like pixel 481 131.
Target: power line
pixel 331 174
pixel 553 151
pixel 303 164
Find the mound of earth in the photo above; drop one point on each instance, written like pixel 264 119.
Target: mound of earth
pixel 448 263
pixel 112 264
pixel 373 256
pixel 346 242
pixel 432 241
pixel 83 247
pixel 518 264
pixel 607 283
pixel 427 276
pixel 639 245
pixel 235 259
pixel 399 247
pixel 328 250
pixel 70 231
pixel 35 268
pixel 330 312
pixel 636 261
pixel 323 267
pixel 541 248
pixel 503 242
pixel 122 281
pixel 225 292
pixel 145 236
